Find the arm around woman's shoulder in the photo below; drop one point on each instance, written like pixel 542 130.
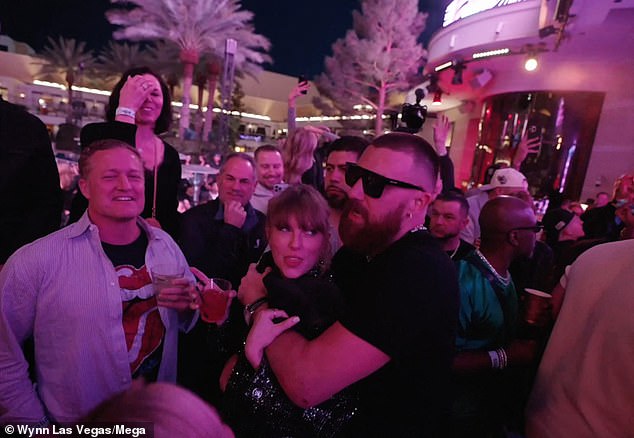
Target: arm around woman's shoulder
pixel 311 372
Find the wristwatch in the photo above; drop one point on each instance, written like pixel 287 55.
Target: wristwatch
pixel 250 309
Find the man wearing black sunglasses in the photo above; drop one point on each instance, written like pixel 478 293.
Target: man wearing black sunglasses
pixel 395 341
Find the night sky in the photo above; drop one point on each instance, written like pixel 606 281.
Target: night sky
pixel 301 32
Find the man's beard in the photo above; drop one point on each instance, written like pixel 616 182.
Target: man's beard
pixel 337 200
pixel 446 237
pixel 369 238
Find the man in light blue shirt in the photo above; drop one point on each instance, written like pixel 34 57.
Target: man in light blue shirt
pixel 85 295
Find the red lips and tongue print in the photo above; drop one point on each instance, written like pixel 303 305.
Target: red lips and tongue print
pixel 144 330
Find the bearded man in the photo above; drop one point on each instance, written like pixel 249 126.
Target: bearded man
pixel 269 168
pixel 394 342
pixel 344 150
pixel 449 216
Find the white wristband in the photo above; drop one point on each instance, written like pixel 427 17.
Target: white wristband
pixel 495 359
pixel 123 111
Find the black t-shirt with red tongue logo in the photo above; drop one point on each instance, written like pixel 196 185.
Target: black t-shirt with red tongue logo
pixel 144 330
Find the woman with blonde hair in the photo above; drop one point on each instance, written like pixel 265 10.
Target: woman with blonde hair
pixel 296 282
pixel 299 153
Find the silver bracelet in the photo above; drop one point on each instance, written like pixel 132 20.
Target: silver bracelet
pixel 504 360
pixel 123 111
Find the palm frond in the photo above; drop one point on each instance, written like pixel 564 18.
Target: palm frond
pixel 200 26
pixel 116 58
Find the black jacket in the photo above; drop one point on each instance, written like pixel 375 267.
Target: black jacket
pixel 219 250
pixel 29 182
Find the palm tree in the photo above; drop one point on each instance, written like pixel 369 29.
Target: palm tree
pixel 200 80
pixel 247 62
pixel 196 26
pixel 116 58
pixel 163 59
pixel 212 68
pixel 69 59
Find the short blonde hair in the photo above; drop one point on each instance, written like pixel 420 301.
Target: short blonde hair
pixel 86 156
pixel 171 409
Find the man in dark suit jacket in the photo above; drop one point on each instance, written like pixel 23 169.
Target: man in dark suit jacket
pixel 29 181
pixel 221 238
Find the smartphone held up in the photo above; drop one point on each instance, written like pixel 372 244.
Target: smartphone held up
pixel 302 80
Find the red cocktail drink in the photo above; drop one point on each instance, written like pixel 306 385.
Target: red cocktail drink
pixel 214 298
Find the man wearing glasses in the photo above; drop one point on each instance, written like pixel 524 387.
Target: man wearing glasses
pixel 394 344
pixel 487 341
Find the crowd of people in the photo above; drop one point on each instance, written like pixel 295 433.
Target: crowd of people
pixel 370 297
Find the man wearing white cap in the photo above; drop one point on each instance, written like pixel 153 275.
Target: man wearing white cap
pixel 506 181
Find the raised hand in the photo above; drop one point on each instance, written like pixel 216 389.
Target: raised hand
pixel 134 92
pixel 298 91
pixel 441 132
pixel 524 148
pixel 235 214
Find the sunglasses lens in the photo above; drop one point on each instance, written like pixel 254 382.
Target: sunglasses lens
pixel 373 185
pixel 353 173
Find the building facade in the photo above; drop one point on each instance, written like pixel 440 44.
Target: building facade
pixel 579 99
